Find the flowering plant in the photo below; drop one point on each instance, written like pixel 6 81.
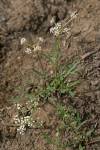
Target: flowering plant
pixel 54 86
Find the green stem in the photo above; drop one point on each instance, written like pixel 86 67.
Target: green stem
pixel 58 41
pixel 39 59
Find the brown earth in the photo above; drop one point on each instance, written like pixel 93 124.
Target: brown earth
pixel 31 19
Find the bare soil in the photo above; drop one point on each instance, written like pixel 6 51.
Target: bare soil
pixel 31 19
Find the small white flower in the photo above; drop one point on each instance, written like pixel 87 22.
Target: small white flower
pixel 15 116
pixel 41 123
pixel 51 30
pixel 58 25
pixel 57 134
pixel 73 14
pixel 65 30
pixel 23 40
pixel 52 21
pixel 16 121
pixel 55 30
pixel 28 51
pixel 35 104
pixel 36 48
pixel 40 39
pixel 18 106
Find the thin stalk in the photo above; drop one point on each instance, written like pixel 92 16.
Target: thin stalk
pixel 59 40
pixel 55 58
pixel 58 52
pixel 40 62
pixel 39 59
pixel 55 69
pixel 65 25
pixel 93 141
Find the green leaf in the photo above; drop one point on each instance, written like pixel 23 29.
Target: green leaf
pixel 59 57
pixel 58 141
pixel 81 124
pixel 61 73
pixel 71 93
pixel 23 92
pixel 23 76
pixel 88 133
pixel 39 73
pixel 59 106
pixel 71 69
pixel 74 83
pixel 69 144
pixel 48 57
pixel 16 99
pixel 74 71
pixel 47 138
pixel 78 118
pixel 81 147
pixel 55 50
pixel 61 110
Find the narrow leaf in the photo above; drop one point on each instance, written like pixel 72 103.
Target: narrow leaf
pixel 61 73
pixel 88 133
pixel 81 147
pixel 39 73
pixel 78 118
pixel 59 57
pixel 48 57
pixel 69 71
pixel 74 83
pixel 69 144
pixel 16 99
pixel 55 50
pixel 23 92
pixel 23 76
pixel 47 138
pixel 80 125
pixel 71 93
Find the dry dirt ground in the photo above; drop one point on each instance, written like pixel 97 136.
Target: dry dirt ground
pixel 31 19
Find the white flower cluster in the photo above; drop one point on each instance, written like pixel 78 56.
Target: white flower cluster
pixel 18 106
pixel 28 50
pixel 36 48
pixel 57 28
pixel 23 121
pixel 73 15
pixel 31 48
pixel 34 103
pixel 65 30
pixel 27 121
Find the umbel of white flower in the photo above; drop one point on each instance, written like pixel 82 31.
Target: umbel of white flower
pixel 23 121
pixel 58 26
pixel 23 41
pixel 29 48
pixel 73 15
